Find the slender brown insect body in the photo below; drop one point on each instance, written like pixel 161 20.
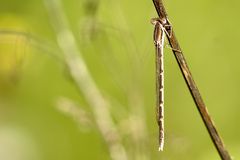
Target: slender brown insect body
pixel 158 38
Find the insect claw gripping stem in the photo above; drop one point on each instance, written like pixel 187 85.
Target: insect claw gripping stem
pixel 167 28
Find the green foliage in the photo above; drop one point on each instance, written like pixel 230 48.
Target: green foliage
pixel 115 40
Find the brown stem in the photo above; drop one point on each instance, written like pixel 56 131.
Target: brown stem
pixel 222 151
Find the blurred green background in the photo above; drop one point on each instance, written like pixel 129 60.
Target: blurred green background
pixel 45 116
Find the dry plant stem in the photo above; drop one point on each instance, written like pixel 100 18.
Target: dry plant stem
pixel 81 76
pixel 192 85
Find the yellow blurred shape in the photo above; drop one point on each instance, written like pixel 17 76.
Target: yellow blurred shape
pixel 13 49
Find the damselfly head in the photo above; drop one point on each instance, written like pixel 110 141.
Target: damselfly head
pixel 162 21
pixel 154 21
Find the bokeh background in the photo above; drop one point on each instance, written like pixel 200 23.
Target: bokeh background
pixel 46 115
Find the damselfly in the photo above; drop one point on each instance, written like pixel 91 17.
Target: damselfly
pixel 158 37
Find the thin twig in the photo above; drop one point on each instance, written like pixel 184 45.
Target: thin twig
pixel 84 81
pixel 190 82
pixel 74 111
